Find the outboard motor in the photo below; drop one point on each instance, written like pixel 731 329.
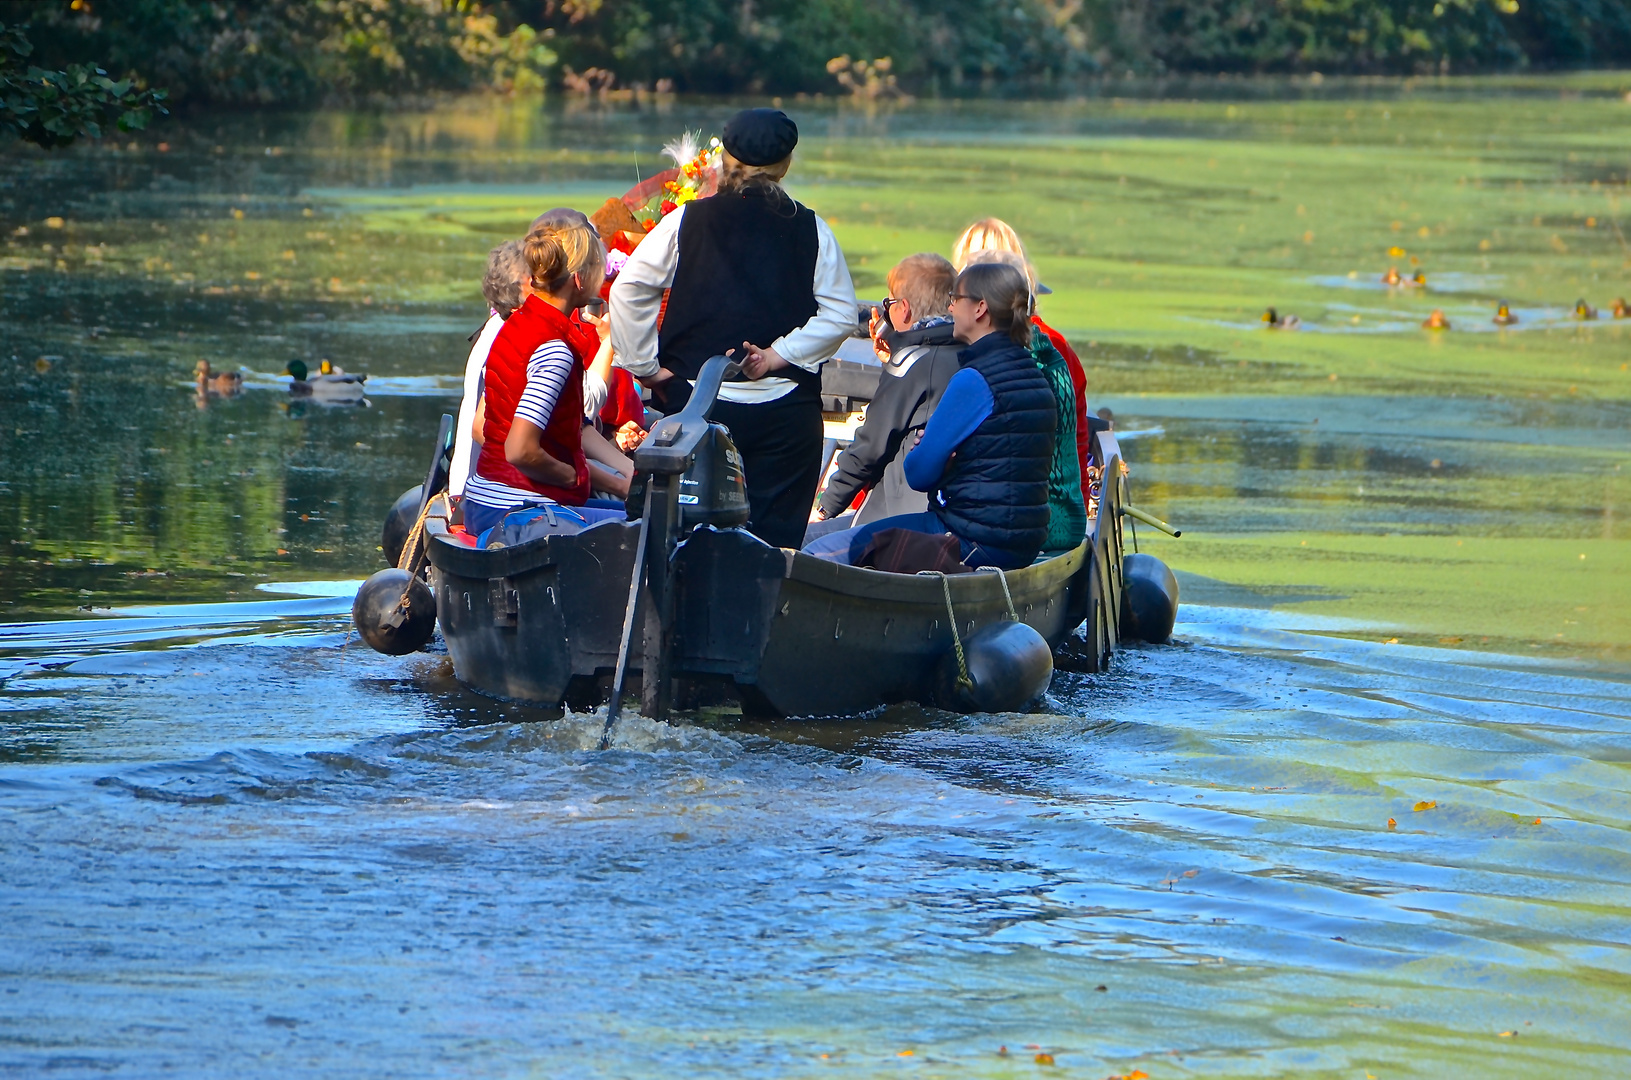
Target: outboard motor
pixel 712 490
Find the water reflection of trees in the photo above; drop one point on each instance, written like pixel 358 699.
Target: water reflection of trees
pixel 1239 476
pixel 112 471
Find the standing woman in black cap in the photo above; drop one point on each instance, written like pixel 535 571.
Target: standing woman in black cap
pixel 752 271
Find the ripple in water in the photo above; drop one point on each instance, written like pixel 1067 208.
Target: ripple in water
pixel 1184 866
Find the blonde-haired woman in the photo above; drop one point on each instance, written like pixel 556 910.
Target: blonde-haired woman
pixel 994 234
pixel 531 416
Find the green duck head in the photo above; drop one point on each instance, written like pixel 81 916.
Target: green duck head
pixel 297 370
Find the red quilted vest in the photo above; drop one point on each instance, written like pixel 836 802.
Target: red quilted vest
pixel 534 323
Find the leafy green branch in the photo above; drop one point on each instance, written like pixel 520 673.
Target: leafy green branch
pixel 53 108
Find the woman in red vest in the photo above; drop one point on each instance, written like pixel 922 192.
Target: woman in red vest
pixel 532 423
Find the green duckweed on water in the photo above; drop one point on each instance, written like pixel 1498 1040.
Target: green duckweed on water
pixel 1165 227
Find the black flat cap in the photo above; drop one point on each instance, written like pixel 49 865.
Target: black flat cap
pixel 760 136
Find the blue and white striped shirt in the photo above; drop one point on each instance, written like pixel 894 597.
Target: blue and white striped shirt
pixel 551 365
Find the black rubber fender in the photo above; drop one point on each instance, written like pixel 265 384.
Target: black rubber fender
pixel 1149 599
pixel 399 523
pixel 394 612
pixel 1009 664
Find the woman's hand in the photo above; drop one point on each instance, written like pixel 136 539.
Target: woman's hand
pixel 603 479
pixel 757 362
pixel 629 436
pixel 601 323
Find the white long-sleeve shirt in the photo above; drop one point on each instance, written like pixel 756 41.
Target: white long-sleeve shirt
pixel 637 296
pixel 464 444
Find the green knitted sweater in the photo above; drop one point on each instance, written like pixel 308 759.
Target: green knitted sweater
pixel 1067 518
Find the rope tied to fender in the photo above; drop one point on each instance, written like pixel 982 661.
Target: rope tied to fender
pixel 411 553
pixel 1013 616
pixel 410 547
pixel 963 681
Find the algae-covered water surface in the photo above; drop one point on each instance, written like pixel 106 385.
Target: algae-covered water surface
pixel 1367 816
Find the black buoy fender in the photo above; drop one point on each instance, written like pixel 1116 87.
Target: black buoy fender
pixel 399 523
pixel 1149 599
pixel 1009 666
pixel 395 612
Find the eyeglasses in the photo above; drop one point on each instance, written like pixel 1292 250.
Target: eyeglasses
pixel 888 302
pixel 966 296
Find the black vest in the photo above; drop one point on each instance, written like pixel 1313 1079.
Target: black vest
pixel 746 272
pixel 995 491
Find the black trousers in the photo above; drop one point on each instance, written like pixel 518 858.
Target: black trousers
pixel 780 443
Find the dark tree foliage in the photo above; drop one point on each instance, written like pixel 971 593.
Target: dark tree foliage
pixel 53 108
pixel 784 45
pixel 1377 35
pixel 297 52
pixel 264 52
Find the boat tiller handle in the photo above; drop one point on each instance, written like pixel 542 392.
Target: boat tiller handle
pixel 1149 519
pixel 672 445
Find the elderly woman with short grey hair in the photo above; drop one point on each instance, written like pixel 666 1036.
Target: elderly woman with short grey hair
pixel 501 287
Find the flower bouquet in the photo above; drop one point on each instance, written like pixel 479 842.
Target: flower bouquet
pixel 694 175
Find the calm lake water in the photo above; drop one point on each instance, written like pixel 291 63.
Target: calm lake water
pixel 231 842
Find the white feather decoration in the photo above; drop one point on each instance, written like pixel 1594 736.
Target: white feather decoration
pixel 685 148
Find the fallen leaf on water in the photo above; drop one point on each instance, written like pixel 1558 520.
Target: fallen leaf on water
pixel 824 1057
pixel 1424 805
pixel 1392 824
pixel 1505 1034
pixel 1537 821
pixel 1044 1059
pixel 906 1053
pixel 1002 1051
pixel 1391 641
pixel 1190 873
pixel 1138 1074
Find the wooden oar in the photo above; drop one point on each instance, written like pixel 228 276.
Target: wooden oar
pixel 616 702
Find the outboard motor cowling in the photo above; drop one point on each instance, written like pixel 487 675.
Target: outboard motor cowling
pixel 712 491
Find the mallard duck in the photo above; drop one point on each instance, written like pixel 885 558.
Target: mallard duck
pixel 1503 314
pixel 1436 321
pixel 1277 322
pixel 330 382
pixel 1583 310
pixel 1392 277
pixel 1620 310
pixel 218 383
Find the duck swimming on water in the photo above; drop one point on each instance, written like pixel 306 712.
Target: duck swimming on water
pixel 1583 310
pixel 1436 321
pixel 330 382
pixel 1503 314
pixel 218 383
pixel 1392 277
pixel 1277 322
pixel 1620 310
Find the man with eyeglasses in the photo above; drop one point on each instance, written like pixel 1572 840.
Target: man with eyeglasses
pixel 913 335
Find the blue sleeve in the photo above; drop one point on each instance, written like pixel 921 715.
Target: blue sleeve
pixel 964 406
